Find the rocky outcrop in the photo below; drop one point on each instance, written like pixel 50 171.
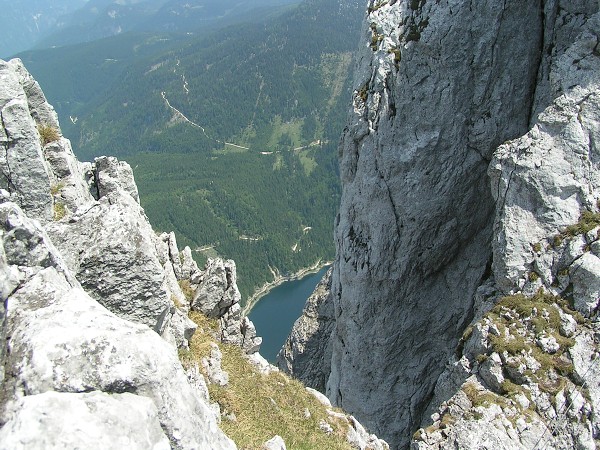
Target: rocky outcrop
pixel 450 98
pixel 23 170
pixel 94 302
pixel 218 296
pixel 530 363
pixel 63 341
pixel 547 185
pixel 430 107
pixel 88 420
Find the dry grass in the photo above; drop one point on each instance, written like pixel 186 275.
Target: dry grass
pixel 535 316
pixel 587 222
pixel 60 210
pixel 187 290
pixel 56 188
pixel 47 134
pixel 263 405
pixel 482 397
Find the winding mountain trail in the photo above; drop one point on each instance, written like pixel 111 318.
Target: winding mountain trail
pixel 179 114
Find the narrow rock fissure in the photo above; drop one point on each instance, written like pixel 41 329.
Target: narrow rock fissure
pixel 539 63
pixel 95 188
pixel 513 169
pixel 8 176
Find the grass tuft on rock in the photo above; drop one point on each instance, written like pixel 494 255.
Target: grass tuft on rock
pixel 187 290
pixel 521 321
pixel 587 222
pixel 60 211
pixel 47 134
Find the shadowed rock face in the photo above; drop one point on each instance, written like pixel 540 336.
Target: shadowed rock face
pixel 414 230
pixel 305 354
pixel 420 236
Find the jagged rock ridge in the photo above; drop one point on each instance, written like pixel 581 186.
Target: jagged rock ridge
pixel 440 218
pixel 93 306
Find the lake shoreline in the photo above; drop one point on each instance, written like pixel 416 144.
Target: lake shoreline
pixel 278 281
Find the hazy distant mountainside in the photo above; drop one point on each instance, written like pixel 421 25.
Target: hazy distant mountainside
pixel 232 136
pixel 104 18
pixel 45 23
pixel 24 22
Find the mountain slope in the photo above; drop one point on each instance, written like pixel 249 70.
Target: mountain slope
pixel 110 336
pixel 104 18
pixel 244 122
pixel 24 23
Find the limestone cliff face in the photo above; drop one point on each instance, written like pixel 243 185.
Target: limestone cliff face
pixel 424 245
pixel 94 302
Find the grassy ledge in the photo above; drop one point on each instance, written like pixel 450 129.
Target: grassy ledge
pixel 257 407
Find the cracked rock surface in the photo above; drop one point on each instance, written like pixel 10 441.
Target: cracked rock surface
pixel 469 168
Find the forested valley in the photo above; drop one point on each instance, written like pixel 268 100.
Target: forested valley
pixel 232 133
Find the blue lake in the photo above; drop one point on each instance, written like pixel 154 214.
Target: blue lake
pixel 275 313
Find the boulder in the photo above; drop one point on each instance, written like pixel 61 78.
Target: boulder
pixel 212 366
pixel 218 290
pixel 110 248
pixel 275 443
pixel 217 296
pixel 113 176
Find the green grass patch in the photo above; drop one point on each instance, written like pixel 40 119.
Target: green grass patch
pixel 278 164
pixel 231 149
pixel 263 405
pixel 286 134
pixel 538 316
pixel 308 162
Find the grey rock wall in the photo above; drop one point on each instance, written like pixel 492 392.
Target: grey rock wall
pixel 110 247
pixel 23 171
pixel 452 97
pixel 544 181
pixel 534 363
pixel 439 86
